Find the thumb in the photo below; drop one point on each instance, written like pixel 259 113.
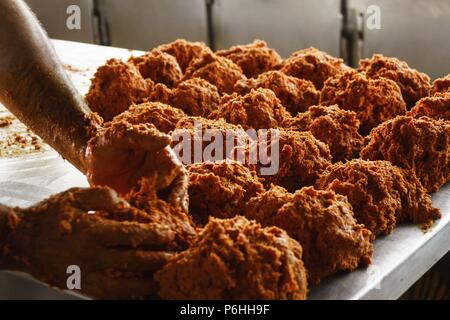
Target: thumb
pixel 95 199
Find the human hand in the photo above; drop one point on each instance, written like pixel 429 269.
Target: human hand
pixel 117 259
pixel 121 154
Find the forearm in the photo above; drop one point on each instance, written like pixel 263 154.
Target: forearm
pixel 35 87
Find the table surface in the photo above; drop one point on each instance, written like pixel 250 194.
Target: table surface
pixel 399 259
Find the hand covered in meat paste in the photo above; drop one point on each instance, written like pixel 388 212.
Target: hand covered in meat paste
pixel 121 154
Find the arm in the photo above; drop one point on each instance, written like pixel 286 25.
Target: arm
pixel 34 86
pixel 36 89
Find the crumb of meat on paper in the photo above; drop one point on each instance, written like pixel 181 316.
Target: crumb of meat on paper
pixel 6 121
pixel 72 68
pixel 16 139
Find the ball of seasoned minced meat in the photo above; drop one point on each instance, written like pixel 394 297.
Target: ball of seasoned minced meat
pixel 220 189
pixel 219 71
pixel 290 159
pixel 313 65
pixel 115 86
pixel 173 227
pixel 380 193
pixel 258 109
pixel 185 51
pixel 196 97
pixel 265 205
pixel 421 145
pixel 158 66
pixel 336 127
pixel 296 95
pixel 196 139
pixel 413 84
pixel 373 100
pixel 162 116
pixel 253 58
pixel 236 259
pixel 322 222
pixel 441 85
pixel 436 107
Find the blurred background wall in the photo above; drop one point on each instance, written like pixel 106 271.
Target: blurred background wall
pixel 413 30
pixel 417 31
pixel 287 25
pixel 53 15
pixel 144 24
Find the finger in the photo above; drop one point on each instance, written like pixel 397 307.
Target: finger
pixel 169 167
pixel 111 233
pixel 164 163
pixel 179 191
pixel 130 260
pixel 95 199
pixel 179 187
pixel 172 178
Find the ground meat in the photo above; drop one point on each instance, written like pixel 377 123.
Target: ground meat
pixel 220 189
pixel 176 228
pixel 17 144
pixel 158 66
pixel 265 205
pixel 295 94
pixel 313 65
pixel 373 100
pixel 322 222
pixel 236 259
pixel 413 84
pixel 6 121
pixel 436 107
pixel 115 86
pixel 336 127
pixel 258 109
pixel 301 158
pixel 162 116
pixel 196 97
pixel 219 71
pixel 254 58
pixel 380 193
pixel 421 145
pixel 441 85
pixel 185 51
pixel 197 139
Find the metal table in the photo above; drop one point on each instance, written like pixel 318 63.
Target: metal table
pixel 399 260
